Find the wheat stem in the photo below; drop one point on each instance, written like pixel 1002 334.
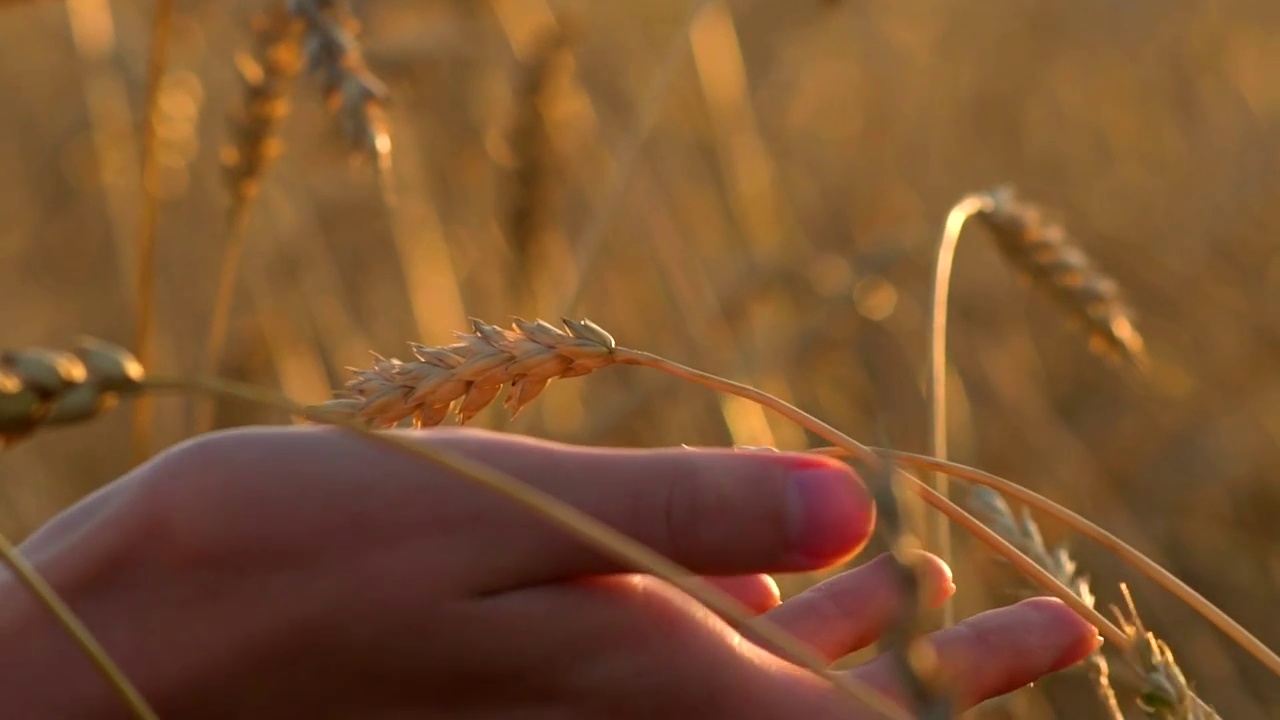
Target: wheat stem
pixel 937 386
pixel 1079 524
pixel 856 449
pixel 146 275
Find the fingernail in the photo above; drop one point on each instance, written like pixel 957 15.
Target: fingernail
pixel 830 513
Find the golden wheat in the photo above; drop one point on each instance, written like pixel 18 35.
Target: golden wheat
pixel 51 387
pixel 333 53
pixel 470 374
pixel 1055 263
pixel 266 74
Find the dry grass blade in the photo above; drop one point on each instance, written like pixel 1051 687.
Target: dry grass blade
pixel 1050 257
pixel 267 75
pixel 48 387
pixel 350 89
pixel 1165 690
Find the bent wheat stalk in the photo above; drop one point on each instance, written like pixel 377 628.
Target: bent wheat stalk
pixel 467 376
pixel 1078 524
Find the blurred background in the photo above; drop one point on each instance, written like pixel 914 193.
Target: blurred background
pixel 756 193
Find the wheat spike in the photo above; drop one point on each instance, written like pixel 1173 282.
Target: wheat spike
pixel 1050 257
pixel 266 74
pixel 467 376
pixel 52 387
pixel 1165 692
pixel 350 89
pixel 1164 689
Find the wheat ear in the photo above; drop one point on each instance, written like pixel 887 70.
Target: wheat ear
pixel 41 387
pixel 1047 254
pixel 149 226
pixel 1025 534
pixel 467 376
pixel 1165 689
pixel 333 53
pixel 266 75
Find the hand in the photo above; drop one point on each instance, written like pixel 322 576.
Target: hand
pixel 308 573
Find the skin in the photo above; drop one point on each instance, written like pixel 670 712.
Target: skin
pixel 305 573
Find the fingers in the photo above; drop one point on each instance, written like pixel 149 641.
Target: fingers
pixel 849 611
pixel 759 593
pixel 714 512
pixel 998 651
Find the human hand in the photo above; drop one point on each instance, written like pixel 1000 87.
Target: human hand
pixel 305 572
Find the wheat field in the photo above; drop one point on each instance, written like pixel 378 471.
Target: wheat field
pixel 755 189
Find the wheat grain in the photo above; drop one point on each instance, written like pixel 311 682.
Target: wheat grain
pixel 50 387
pixel 1051 258
pixel 350 89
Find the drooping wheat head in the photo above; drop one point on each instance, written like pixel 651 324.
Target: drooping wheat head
pixel 1055 263
pixel 467 376
pixel 350 89
pixel 50 387
pixel 266 74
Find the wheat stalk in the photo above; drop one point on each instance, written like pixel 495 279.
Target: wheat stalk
pixel 333 53
pixel 144 339
pixel 913 654
pixel 266 75
pixel 535 192
pixel 467 376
